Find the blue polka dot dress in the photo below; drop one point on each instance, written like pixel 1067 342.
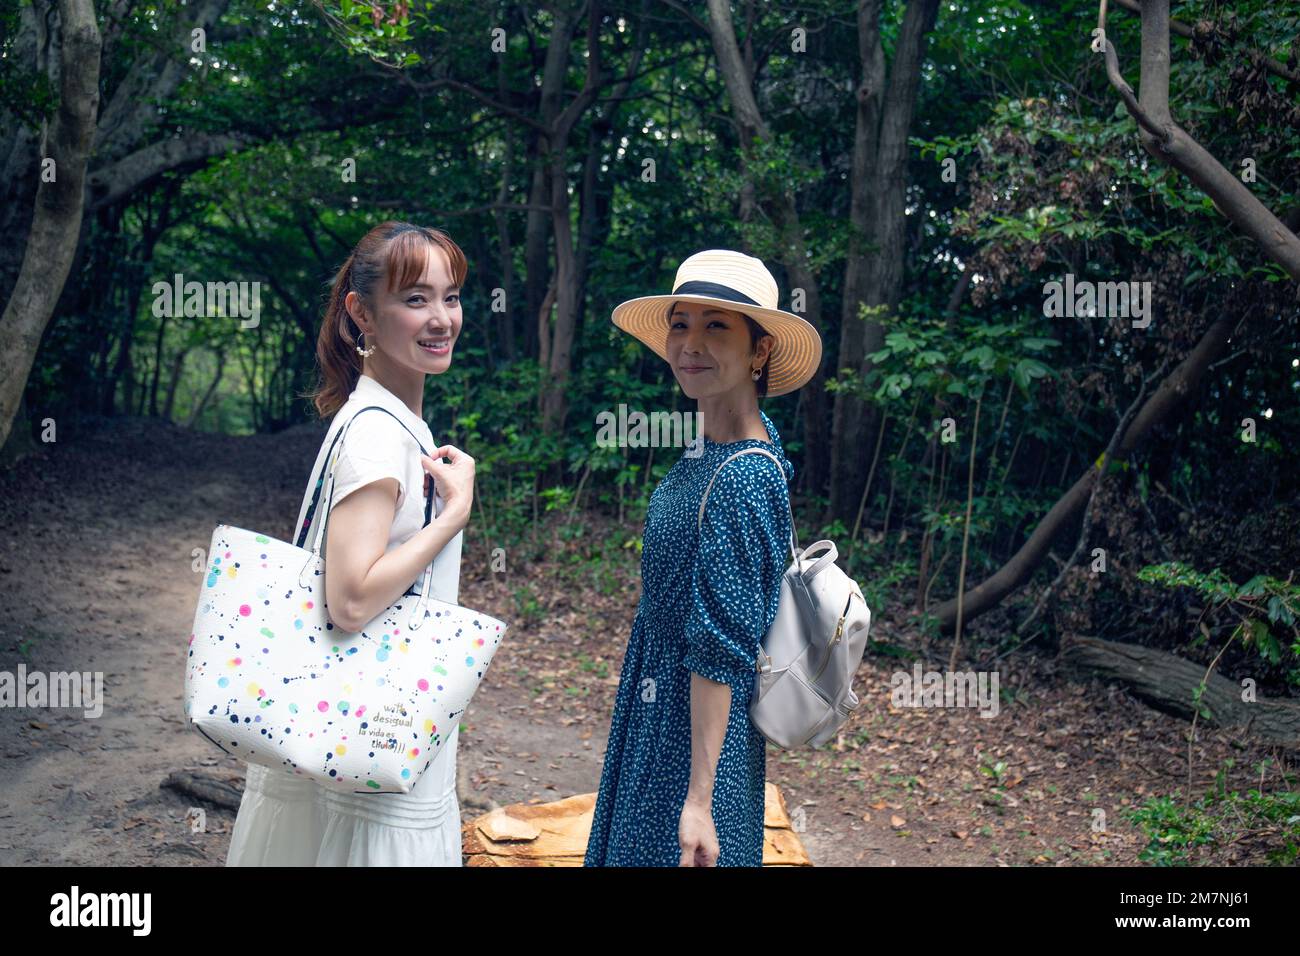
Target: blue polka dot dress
pixel 708 597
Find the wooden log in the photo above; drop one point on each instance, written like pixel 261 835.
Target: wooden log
pixel 1167 682
pixel 217 790
pixel 555 834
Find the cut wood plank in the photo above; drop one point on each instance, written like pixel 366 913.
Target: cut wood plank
pixel 555 834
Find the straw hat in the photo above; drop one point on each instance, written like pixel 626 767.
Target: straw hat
pixel 730 280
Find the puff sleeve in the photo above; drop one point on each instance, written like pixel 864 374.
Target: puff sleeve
pixel 372 450
pixel 736 582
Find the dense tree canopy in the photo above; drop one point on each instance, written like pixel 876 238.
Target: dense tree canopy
pixel 928 181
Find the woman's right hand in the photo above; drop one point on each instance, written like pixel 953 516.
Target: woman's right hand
pixel 454 481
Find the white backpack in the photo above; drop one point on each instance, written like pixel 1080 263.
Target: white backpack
pixel 805 670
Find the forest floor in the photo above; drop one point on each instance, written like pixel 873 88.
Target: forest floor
pixel 96 548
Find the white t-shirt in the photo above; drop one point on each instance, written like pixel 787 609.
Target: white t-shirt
pixel 378 447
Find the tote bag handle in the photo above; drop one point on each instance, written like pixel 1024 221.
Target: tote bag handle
pixel 329 464
pixel 331 459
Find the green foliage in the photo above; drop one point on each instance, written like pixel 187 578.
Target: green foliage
pixel 1171 830
pixel 1175 830
pixel 1082 146
pixel 381 32
pixel 884 579
pixel 528 609
pixel 29 96
pixel 1267 610
pixel 929 356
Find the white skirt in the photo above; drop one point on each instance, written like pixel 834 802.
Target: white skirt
pixel 290 820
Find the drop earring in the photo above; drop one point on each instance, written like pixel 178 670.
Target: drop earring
pixel 757 374
pixel 364 353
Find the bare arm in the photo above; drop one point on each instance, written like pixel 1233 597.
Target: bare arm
pixel 361 580
pixel 739 553
pixel 710 707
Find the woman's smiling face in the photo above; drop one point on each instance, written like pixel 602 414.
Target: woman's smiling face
pixel 710 350
pixel 417 326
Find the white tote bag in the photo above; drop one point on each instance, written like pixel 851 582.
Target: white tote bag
pixel 271 679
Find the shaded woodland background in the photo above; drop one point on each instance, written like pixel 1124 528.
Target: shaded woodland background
pixel 913 173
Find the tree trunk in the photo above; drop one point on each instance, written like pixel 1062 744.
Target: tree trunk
pixel 20 443
pixel 155 380
pixel 737 73
pixel 554 388
pixel 877 248
pixel 212 387
pixel 596 209
pixel 559 124
pixel 123 371
pixel 506 267
pixel 20 153
pixel 178 365
pixel 537 276
pixel 56 224
pixel 1167 683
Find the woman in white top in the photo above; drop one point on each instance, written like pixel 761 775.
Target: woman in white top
pixel 400 290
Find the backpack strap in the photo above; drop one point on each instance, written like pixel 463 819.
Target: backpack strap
pixel 699 522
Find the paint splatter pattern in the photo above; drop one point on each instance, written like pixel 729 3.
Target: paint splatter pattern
pixel 270 679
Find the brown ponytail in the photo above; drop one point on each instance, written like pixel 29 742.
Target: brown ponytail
pixel 394 250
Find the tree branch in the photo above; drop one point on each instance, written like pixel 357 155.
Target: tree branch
pixel 110 183
pixel 1172 391
pixel 1276 67
pixel 1106 457
pixel 1167 141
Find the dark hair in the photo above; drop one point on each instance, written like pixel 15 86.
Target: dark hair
pixel 756 332
pixel 392 249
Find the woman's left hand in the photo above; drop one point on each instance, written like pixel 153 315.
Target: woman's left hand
pixel 696 835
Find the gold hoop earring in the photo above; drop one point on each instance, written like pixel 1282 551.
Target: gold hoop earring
pixel 364 353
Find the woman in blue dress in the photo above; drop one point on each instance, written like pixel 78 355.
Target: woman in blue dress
pixel 683 778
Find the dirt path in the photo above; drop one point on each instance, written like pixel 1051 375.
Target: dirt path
pixel 95 567
pixel 96 539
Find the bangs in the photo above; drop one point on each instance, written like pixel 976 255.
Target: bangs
pixel 408 258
